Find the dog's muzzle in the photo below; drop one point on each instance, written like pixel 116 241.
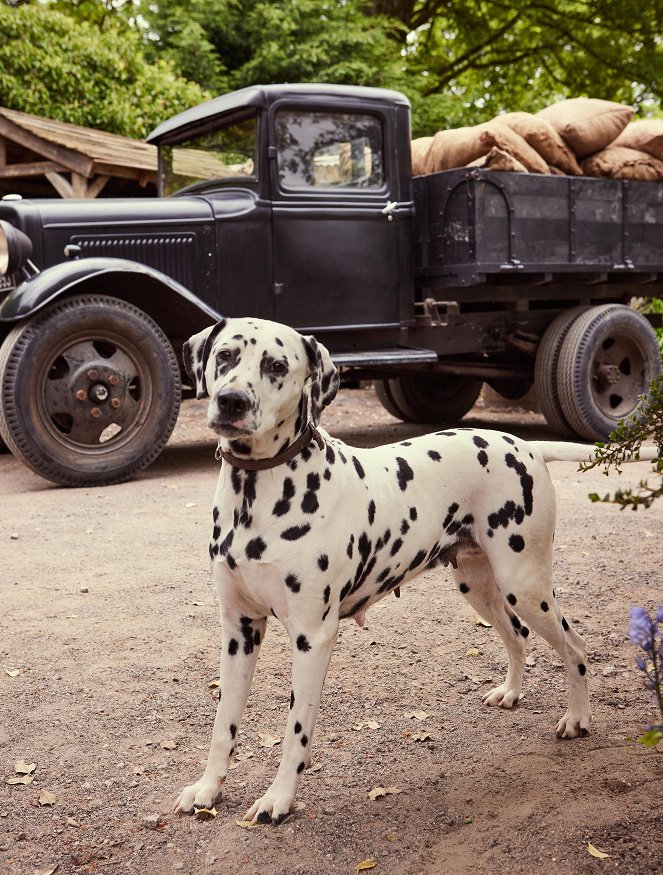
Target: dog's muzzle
pixel 230 410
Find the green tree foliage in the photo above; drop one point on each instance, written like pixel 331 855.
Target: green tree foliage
pixel 227 44
pixel 460 63
pixel 468 60
pixel 92 74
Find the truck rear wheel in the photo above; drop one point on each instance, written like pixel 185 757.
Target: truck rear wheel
pixel 608 359
pixel 442 399
pixel 545 370
pixel 89 391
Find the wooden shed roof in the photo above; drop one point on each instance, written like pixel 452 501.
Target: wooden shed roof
pixel 77 161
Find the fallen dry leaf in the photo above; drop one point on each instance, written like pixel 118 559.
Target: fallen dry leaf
pixel 49 870
pixel 47 798
pixel 247 824
pixel 378 792
pixel 420 736
pixel 205 813
pixel 472 651
pixel 600 855
pixel 13 672
pixel 367 724
pixel 315 768
pixel 364 865
pixel 213 685
pixel 23 768
pixel 267 740
pixel 416 715
pixel 24 779
pixel 169 744
pixel 479 621
pixel 72 822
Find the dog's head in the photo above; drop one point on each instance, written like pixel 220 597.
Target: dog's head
pixel 258 374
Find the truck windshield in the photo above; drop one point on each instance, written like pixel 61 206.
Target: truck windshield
pixel 221 153
pixel 329 150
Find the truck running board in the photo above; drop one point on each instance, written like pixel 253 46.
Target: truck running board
pixel 395 356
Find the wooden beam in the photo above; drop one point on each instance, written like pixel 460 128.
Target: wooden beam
pixel 73 161
pixel 36 168
pixel 96 185
pixel 3 151
pixel 60 184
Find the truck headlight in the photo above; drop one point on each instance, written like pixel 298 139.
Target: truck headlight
pixel 15 248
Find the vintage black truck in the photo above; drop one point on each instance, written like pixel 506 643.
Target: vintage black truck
pixel 297 203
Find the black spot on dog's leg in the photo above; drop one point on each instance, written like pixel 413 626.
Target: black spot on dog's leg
pixel 302 644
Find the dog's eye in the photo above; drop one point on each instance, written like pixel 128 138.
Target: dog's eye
pixel 224 355
pixel 279 368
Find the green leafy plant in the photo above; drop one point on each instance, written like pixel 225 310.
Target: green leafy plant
pixel 625 443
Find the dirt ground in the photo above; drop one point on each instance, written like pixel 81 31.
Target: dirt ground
pixel 109 649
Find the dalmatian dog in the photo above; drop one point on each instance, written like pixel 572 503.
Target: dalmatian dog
pixel 311 531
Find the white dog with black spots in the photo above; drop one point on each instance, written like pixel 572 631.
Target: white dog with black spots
pixel 310 530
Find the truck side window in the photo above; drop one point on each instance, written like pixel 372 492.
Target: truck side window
pixel 329 150
pixel 218 153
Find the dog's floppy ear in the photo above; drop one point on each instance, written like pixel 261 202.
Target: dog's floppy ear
pixel 195 353
pixel 324 377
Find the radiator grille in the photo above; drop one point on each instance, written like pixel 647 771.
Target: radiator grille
pixel 172 254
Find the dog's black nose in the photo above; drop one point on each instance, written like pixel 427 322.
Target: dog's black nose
pixel 232 404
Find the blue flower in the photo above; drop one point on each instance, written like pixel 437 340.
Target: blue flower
pixel 641 630
pixel 659 614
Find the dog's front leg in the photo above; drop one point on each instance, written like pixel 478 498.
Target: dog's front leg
pixel 311 654
pixel 241 638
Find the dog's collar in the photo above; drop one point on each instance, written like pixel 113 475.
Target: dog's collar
pixel 310 433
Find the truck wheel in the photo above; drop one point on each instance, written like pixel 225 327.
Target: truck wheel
pixel 89 391
pixel 608 359
pixel 443 399
pixel 545 370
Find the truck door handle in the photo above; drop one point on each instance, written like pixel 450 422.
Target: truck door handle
pixel 390 208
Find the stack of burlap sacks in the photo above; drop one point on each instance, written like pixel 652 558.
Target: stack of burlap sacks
pixel 578 137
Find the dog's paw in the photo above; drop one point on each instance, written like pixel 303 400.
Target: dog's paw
pixel 203 794
pixel 271 808
pixel 574 725
pixel 501 697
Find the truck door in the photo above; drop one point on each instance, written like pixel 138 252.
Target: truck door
pixel 341 242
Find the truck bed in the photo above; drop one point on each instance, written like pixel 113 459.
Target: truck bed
pixel 475 226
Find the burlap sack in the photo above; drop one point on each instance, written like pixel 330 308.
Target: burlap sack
pixel 587 124
pixel 542 136
pixel 419 150
pixel 453 148
pixel 501 136
pixel 461 146
pixel 645 135
pixel 498 159
pixel 619 162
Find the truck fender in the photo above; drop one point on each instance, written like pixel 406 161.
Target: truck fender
pixel 111 276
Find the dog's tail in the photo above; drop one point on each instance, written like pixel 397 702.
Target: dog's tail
pixel 561 451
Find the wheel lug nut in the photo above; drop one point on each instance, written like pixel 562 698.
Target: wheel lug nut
pixel 115 402
pixel 81 394
pixel 113 379
pixel 92 374
pixel 95 412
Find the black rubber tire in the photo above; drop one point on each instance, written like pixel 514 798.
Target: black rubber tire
pixel 608 359
pixel 545 370
pixel 442 399
pixel 89 391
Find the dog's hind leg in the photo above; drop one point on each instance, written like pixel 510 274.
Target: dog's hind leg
pixel 528 588
pixel 475 580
